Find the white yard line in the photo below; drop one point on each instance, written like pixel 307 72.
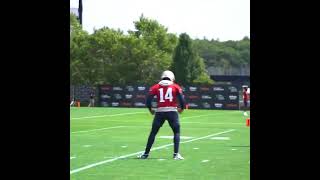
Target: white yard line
pixel 97 129
pixel 217 114
pixel 109 115
pixel 184 127
pixel 136 153
pixel 207 123
pixel 199 116
pixel 182 118
pixel 121 114
pixel 207 136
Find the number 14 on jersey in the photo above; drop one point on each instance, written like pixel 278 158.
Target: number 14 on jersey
pixel 168 95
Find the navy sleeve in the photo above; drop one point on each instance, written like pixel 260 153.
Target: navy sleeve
pixel 149 99
pixel 181 101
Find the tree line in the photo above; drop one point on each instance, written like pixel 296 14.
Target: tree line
pixel 110 56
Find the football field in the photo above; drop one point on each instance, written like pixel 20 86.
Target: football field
pixel 105 142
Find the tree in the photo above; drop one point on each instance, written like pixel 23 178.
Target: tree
pixel 78 49
pixel 157 41
pixel 109 56
pixel 187 65
pixel 154 34
pixel 224 55
pixel 200 73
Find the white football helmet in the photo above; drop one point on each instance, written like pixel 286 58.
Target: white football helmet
pixel 168 74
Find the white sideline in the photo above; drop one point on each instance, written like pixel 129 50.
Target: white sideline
pixel 153 149
pixel 208 123
pixel 98 129
pixel 145 127
pixel 109 115
pixel 148 126
pixel 182 118
pixel 219 114
pixel 199 116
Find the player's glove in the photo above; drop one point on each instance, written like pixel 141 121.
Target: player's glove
pixel 151 111
pixel 180 110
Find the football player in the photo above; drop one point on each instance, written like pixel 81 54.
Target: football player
pixel 167 92
pixel 245 96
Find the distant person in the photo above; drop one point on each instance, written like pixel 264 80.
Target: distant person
pixel 73 101
pixel 167 93
pixel 91 103
pixel 245 95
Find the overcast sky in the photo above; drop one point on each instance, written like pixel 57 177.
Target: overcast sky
pixel 222 19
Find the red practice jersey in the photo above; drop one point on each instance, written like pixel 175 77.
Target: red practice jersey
pixel 166 95
pixel 245 95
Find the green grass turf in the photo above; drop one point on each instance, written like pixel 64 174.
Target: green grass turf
pixel 92 141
